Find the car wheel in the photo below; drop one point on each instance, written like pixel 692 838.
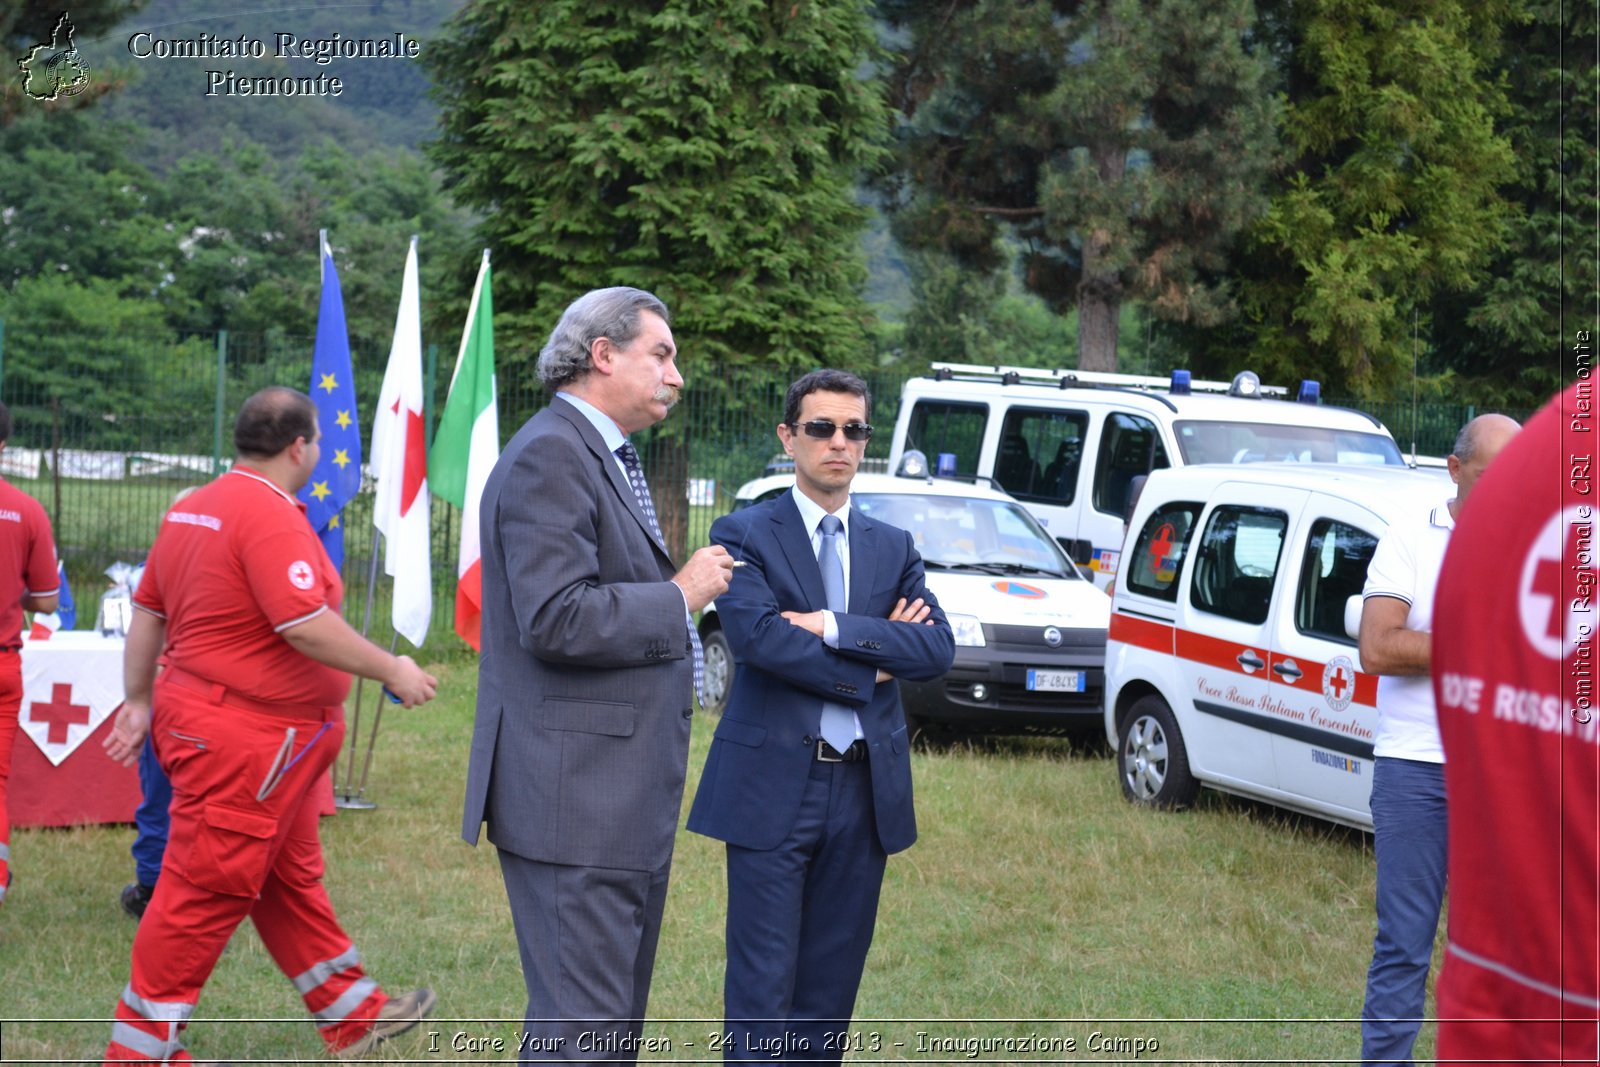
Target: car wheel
pixel 718 671
pixel 1151 759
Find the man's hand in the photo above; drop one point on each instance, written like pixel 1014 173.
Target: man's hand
pixel 1386 645
pixel 705 576
pixel 411 683
pixel 810 621
pixel 128 731
pixel 914 612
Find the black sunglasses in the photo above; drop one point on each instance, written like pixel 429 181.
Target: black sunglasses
pixel 822 430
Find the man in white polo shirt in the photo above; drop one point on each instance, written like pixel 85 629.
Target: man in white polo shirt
pixel 1408 800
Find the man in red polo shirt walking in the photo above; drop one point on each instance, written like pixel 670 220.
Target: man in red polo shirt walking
pixel 29 581
pixel 241 604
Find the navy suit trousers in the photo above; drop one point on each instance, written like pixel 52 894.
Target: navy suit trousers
pixel 800 921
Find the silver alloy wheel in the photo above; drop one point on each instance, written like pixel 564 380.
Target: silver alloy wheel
pixel 718 671
pixel 1144 758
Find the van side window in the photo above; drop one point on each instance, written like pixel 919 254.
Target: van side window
pixel 1237 562
pixel 1158 553
pixel 1334 570
pixel 1040 452
pixel 1130 446
pixel 940 427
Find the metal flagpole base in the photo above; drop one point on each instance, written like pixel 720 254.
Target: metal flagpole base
pixel 348 802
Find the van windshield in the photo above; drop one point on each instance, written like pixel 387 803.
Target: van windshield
pixel 964 533
pixel 1259 442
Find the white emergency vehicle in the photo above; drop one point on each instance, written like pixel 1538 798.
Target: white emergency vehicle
pixel 1073 446
pixel 1232 660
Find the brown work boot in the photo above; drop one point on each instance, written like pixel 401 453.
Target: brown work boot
pixel 397 1016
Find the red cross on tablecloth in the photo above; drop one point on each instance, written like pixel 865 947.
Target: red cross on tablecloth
pixel 60 713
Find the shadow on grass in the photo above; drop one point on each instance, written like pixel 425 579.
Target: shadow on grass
pixel 1088 742
pixel 1283 820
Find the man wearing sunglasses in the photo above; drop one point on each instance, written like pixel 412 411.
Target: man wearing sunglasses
pixel 809 776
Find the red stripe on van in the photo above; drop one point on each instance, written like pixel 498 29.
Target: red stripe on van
pixel 1224 655
pixel 1141 633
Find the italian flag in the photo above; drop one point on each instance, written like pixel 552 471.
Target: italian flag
pixel 466 447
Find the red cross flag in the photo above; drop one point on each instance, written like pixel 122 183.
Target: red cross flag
pixel 400 464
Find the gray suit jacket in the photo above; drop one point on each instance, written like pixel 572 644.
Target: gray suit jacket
pixel 585 683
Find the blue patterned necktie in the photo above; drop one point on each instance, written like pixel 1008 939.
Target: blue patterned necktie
pixel 630 462
pixel 838 721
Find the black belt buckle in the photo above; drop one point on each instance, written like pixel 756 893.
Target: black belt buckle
pixel 826 753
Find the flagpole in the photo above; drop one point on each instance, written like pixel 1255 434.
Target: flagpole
pixel 372 741
pixel 345 798
pixel 399 464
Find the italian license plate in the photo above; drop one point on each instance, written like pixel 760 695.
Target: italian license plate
pixel 1057 681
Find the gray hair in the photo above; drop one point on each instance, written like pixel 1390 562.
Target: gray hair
pixel 1467 440
pixel 613 313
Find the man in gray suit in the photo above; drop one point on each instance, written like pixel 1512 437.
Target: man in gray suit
pixel 586 682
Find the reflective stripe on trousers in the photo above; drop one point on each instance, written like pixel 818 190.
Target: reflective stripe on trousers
pixel 149 1029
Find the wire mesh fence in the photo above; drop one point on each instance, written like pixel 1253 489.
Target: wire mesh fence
pixel 108 429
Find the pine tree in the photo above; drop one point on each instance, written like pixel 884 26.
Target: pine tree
pixel 1507 340
pixel 1392 196
pixel 704 151
pixel 1124 144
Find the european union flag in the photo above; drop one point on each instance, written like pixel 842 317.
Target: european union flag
pixel 67 608
pixel 338 473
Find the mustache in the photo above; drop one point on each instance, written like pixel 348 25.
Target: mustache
pixel 667 395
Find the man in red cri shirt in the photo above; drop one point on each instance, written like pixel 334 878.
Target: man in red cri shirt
pixel 28 582
pixel 241 604
pixel 1514 666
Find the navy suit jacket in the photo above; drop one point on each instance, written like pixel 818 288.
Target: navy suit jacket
pixel 762 751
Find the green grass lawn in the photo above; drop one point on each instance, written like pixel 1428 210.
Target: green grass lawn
pixel 1037 905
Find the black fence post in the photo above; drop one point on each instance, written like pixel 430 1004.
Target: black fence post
pixel 222 390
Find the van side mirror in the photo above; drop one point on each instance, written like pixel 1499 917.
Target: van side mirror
pixel 1078 550
pixel 1352 616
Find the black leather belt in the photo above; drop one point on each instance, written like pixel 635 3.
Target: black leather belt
pixel 826 753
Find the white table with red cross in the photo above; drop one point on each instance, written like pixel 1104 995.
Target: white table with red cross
pixel 60 774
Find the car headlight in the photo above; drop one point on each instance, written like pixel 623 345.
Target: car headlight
pixel 967 628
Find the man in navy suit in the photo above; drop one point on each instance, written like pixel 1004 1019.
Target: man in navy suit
pixel 809 776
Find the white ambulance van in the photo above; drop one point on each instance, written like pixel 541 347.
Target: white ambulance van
pixel 1231 660
pixel 1073 446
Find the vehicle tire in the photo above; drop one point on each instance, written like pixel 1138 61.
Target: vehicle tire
pixel 1152 762
pixel 718 671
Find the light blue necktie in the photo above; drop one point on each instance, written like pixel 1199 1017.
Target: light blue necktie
pixel 641 490
pixel 838 722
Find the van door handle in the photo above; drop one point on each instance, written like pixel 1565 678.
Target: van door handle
pixel 1288 669
pixel 1250 661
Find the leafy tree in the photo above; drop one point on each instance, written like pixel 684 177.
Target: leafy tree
pixel 71 203
pixel 1392 196
pixel 1123 143
pixel 703 151
pixel 74 352
pixel 1502 338
pixel 969 316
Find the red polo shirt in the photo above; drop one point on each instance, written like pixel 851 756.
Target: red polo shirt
pixel 236 563
pixel 27 559
pixel 1516 672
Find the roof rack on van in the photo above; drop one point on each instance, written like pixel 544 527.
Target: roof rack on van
pixel 1063 379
